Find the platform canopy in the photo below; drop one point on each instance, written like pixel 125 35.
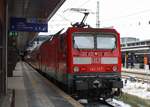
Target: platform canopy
pixel 32 9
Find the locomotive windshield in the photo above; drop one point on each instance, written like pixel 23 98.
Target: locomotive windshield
pixel 106 42
pixel 94 41
pixel 83 41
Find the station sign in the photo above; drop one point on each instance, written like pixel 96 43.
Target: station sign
pixel 13 34
pixel 27 25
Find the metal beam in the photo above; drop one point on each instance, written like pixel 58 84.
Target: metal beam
pixel 135 49
pixel 56 8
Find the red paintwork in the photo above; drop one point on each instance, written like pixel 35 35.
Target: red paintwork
pixel 91 53
pixel 57 57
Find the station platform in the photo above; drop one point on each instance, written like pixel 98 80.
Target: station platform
pixel 33 90
pixel 138 71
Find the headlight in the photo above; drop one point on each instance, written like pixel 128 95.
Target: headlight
pixel 76 69
pixel 115 68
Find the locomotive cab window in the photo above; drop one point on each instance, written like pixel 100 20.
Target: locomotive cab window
pixel 94 41
pixel 106 42
pixel 83 41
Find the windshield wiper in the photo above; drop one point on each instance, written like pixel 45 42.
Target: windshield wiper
pixel 112 49
pixel 75 45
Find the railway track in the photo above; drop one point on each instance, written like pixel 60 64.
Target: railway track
pixel 101 103
pixel 139 76
pixel 98 104
pixel 135 75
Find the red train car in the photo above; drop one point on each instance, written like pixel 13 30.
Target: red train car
pixel 85 60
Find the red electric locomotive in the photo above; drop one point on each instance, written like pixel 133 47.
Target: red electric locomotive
pixel 85 60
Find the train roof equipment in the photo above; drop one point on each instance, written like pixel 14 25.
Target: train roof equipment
pixel 86 12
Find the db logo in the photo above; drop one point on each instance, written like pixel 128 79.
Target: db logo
pixel 96 60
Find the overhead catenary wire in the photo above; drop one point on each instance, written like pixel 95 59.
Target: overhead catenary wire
pixel 117 18
pixel 84 3
pixel 66 19
pixel 129 15
pixel 139 23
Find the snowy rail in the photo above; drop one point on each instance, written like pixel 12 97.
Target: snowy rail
pixel 140 75
pixel 108 103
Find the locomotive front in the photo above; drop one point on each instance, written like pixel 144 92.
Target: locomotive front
pixel 94 62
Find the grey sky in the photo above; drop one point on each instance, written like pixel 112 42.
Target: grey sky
pixel 129 17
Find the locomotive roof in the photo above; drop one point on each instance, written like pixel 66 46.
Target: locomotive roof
pixel 93 29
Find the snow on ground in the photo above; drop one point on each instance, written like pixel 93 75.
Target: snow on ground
pixel 113 102
pixel 120 103
pixel 137 88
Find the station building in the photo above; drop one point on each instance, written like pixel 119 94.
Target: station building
pixel 135 52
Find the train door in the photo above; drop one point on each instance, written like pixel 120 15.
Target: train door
pixel 61 58
pixel 56 57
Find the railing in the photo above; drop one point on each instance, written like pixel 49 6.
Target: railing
pixel 136 44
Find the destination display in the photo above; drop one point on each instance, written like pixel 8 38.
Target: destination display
pixel 22 24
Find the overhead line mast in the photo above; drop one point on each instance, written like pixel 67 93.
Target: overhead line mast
pixel 97 16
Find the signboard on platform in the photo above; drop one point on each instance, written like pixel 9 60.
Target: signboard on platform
pixel 22 24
